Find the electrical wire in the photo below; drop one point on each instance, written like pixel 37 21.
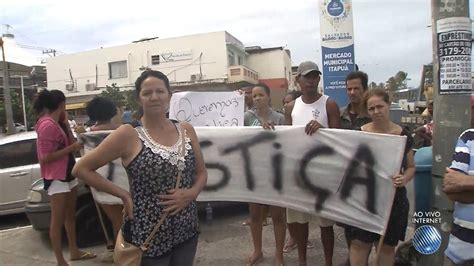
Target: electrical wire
pixel 194 61
pixel 25 46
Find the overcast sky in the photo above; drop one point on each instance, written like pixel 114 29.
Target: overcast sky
pixel 390 35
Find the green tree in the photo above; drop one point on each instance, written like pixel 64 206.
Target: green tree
pixel 397 82
pixel 3 118
pixel 131 102
pixel 392 84
pixel 400 78
pixel 428 75
pixel 372 85
pixel 114 94
pixel 17 108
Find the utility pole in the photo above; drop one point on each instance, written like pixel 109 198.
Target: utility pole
pixel 6 91
pixel 49 52
pixel 452 35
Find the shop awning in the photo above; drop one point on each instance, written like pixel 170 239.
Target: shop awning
pixel 73 106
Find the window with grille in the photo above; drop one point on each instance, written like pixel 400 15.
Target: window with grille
pixel 155 59
pixel 118 69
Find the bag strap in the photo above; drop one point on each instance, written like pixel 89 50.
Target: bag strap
pixel 145 244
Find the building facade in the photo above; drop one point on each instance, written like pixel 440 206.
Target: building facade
pixel 273 66
pixel 214 61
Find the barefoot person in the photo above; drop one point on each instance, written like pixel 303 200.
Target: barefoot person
pixel 263 115
pixel 290 245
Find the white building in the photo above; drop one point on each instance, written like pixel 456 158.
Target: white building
pixel 274 69
pixel 209 61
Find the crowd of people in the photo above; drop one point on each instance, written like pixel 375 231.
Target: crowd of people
pixel 166 172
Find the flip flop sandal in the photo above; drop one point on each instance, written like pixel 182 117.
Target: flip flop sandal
pixel 289 248
pixel 85 256
pixel 253 262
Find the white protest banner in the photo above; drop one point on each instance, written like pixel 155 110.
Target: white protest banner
pixel 338 174
pixel 214 109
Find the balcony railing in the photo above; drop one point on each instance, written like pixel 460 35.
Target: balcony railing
pixel 242 73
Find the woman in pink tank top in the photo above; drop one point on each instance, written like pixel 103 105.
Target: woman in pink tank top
pixel 55 145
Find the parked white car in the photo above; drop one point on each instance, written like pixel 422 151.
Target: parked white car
pixel 20 128
pixel 19 168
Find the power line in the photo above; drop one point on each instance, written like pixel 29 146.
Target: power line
pixel 16 32
pixel 31 47
pixel 45 50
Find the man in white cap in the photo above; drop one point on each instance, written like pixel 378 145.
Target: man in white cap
pixel 315 111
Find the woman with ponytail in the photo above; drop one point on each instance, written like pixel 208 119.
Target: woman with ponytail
pixel 55 148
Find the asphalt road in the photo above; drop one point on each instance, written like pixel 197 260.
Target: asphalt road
pixel 224 241
pixel 13 221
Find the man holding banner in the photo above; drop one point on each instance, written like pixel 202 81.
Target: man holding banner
pixel 315 111
pixel 353 116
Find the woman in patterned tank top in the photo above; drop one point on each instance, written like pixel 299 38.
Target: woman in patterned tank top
pixel 151 154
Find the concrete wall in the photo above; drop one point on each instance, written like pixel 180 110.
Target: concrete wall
pixel 270 64
pixel 235 51
pixel 274 69
pixel 278 90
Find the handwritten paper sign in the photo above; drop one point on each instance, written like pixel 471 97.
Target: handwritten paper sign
pixel 338 174
pixel 210 109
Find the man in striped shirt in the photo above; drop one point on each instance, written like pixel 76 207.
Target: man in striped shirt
pixel 459 186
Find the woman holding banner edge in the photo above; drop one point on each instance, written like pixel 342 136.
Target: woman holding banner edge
pixel 377 104
pixel 263 115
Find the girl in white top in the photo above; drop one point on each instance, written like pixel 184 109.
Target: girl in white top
pixel 102 110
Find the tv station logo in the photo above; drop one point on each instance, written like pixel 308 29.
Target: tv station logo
pixel 427 238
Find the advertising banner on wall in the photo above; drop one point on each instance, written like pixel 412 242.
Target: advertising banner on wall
pixel 337 46
pixel 454 50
